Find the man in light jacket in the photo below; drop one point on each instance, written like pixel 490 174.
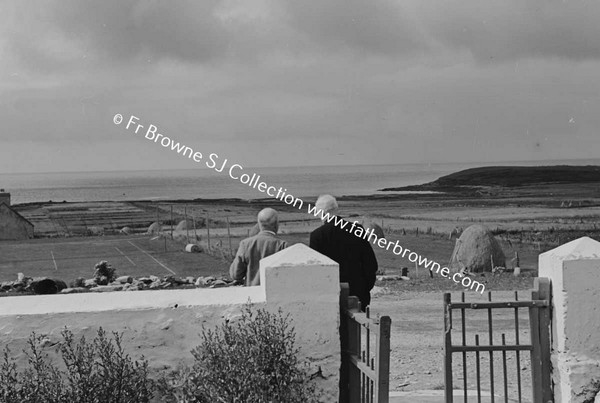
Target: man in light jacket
pixel 245 265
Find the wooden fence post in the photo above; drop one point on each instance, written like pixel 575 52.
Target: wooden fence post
pixel 208 231
pixel 344 332
pixel 544 289
pixel 229 238
pixel 354 340
pixel 382 386
pixel 448 389
pixel 536 354
pixel 187 229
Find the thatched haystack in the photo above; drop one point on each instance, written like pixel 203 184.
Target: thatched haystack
pixel 477 251
pixel 183 225
pixel 154 229
pixel 126 231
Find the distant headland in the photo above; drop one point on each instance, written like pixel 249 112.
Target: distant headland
pixel 508 177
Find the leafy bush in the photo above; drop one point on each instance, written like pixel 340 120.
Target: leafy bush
pixel 104 273
pixel 96 372
pixel 253 360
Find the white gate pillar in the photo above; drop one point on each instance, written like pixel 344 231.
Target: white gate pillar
pixel 574 269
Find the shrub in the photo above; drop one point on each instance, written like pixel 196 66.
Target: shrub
pixel 253 360
pixel 104 273
pixel 96 372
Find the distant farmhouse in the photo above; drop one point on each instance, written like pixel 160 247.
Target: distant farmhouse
pixel 13 226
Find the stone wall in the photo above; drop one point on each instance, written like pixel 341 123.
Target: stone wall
pixel 164 325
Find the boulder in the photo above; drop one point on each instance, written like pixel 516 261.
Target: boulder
pixel 477 251
pixel 124 280
pixel 44 285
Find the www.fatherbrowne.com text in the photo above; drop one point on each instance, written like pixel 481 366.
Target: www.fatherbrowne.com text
pixel 253 180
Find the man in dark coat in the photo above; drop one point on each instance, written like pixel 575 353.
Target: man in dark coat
pixel 355 256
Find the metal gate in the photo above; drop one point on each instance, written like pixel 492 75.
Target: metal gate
pixel 475 350
pixel 365 343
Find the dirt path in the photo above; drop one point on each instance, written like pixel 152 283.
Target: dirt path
pixel 417 341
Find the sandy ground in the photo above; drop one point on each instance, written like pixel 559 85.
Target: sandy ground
pixel 417 342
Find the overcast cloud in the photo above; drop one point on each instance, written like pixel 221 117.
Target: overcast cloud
pixel 267 82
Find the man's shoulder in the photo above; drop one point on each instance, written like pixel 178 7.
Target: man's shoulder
pixel 324 228
pixel 267 237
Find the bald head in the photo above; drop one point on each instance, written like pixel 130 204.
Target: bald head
pixel 267 220
pixel 327 204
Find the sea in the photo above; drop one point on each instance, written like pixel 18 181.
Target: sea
pixel 204 183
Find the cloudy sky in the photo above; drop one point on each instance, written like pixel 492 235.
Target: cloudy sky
pixel 288 82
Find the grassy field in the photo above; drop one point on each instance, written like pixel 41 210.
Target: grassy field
pixel 67 259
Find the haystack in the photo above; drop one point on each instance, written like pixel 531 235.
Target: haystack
pixel 126 231
pixel 183 225
pixel 154 229
pixel 477 251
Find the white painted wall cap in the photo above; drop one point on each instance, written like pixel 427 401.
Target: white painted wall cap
pixel 297 255
pixel 582 248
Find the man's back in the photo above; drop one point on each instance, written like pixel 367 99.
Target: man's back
pixel 247 260
pixel 358 265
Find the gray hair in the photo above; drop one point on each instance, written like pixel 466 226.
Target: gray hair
pixel 327 204
pixel 267 220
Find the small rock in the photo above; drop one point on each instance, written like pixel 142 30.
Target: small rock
pixel 6 285
pixel 427 372
pixel 389 278
pixel 124 280
pixel 107 288
pixel 218 284
pixel 378 291
pixel 154 285
pixel 145 280
pixel 203 281
pixel 166 325
pixel 130 287
pixel 73 290
pixel 102 280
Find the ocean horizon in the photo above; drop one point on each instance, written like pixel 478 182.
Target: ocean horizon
pixel 303 182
